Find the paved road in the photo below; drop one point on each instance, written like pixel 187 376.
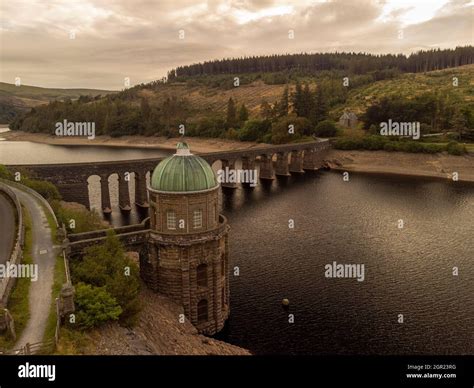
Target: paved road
pixel 44 256
pixel 7 228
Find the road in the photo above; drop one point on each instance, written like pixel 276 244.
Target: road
pixel 7 228
pixel 44 255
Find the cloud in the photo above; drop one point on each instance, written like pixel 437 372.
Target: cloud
pixel 119 38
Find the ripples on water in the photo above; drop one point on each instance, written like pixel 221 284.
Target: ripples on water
pixel 408 271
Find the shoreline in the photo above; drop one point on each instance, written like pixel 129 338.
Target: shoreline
pixel 437 166
pixel 198 145
pixel 430 166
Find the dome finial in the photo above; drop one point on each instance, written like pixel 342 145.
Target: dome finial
pixel 182 148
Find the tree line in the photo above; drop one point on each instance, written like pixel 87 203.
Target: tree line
pixel 352 63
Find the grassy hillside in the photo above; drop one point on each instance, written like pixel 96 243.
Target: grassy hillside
pixel 204 100
pixel 411 85
pixel 18 99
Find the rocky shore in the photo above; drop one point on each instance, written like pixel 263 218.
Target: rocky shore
pixel 157 332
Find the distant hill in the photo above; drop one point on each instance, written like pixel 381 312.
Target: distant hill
pixel 18 99
pixel 213 106
pixel 203 100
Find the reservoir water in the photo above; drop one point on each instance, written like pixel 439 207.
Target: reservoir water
pixel 408 271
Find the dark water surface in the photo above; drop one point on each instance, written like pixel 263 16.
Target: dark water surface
pixel 407 271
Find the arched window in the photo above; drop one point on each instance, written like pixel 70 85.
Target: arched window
pixel 197 219
pixel 223 297
pixel 202 311
pixel 223 265
pixel 201 275
pixel 171 220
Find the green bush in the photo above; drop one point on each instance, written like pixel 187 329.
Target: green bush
pixel 391 146
pixel 46 189
pixel 326 128
pixel 412 146
pixel 432 148
pixel 254 130
pixel 4 172
pixel 348 144
pixel 454 148
pixel 107 265
pixel 85 220
pixel 373 143
pixel 94 306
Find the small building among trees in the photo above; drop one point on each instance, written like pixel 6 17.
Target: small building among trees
pixel 348 119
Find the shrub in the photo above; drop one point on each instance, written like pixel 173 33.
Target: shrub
pixel 105 265
pixel 4 172
pixel 432 148
pixel 374 143
pixel 254 130
pixel 348 144
pixel 454 148
pixel 85 220
pixel 412 146
pixel 46 189
pixel 94 306
pixel 326 128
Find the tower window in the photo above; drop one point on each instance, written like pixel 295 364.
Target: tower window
pixel 171 220
pixel 223 297
pixel 197 219
pixel 201 275
pixel 202 311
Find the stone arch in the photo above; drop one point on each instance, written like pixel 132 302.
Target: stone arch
pixel 140 192
pixel 216 165
pixel 113 180
pixel 94 190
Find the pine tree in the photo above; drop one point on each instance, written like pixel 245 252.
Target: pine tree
pixel 282 105
pixel 298 99
pixel 306 101
pixel 231 120
pixel 319 109
pixel 243 114
pixel 459 124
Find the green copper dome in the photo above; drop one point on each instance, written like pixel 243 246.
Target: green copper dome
pixel 182 172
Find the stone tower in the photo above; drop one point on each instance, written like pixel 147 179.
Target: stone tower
pixel 187 250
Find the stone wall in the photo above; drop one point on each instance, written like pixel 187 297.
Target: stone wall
pixel 6 284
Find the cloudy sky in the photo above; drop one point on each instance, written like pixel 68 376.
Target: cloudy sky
pixel 97 43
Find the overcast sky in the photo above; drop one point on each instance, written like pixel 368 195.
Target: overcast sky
pixel 140 39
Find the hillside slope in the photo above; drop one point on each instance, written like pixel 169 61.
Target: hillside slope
pixel 16 99
pixel 413 84
pixel 204 100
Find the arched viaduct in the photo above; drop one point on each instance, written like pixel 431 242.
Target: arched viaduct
pixel 72 178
